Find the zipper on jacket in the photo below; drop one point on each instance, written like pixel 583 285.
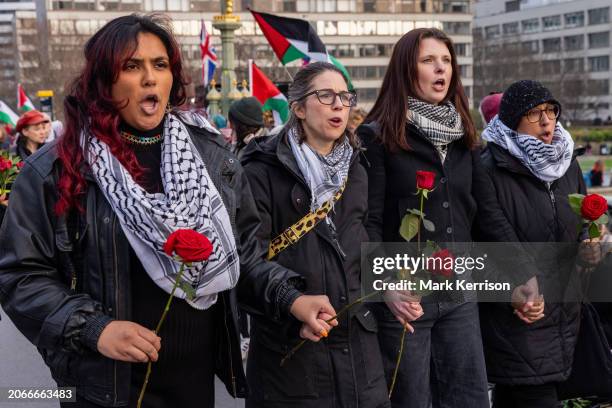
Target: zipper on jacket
pixel 334 235
pixel 229 344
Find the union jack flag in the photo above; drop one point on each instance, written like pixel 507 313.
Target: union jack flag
pixel 209 56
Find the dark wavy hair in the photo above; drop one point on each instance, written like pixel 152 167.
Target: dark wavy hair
pixel 89 103
pixel 401 81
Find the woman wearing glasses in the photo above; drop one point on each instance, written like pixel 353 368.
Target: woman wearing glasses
pixel 312 164
pixel 421 121
pixel 528 169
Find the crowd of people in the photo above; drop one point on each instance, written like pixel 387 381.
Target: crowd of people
pixel 84 275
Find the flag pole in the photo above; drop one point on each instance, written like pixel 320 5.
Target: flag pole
pixel 287 71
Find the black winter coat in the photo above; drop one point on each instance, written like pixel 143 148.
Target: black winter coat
pixel 392 178
pixel 515 206
pixel 345 370
pixel 38 260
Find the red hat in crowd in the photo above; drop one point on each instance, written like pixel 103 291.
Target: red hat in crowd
pixel 489 107
pixel 29 118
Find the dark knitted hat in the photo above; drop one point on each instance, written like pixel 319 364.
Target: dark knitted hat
pixel 247 111
pixel 520 97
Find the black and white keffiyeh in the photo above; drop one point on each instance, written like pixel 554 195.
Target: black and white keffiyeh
pixel 324 174
pixel 441 124
pixel 548 162
pixel 190 201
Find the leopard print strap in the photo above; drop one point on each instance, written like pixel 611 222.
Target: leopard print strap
pixel 293 234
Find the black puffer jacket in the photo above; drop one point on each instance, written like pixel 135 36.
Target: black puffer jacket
pixel 515 206
pixel 346 369
pixel 38 260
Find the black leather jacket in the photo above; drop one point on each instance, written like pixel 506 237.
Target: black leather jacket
pixel 40 257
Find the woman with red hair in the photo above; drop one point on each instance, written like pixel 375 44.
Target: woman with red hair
pixel 83 274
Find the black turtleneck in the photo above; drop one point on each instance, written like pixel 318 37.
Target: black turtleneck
pixel 183 375
pixel 148 156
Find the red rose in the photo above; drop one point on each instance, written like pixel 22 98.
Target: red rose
pixel 425 179
pixel 5 164
pixel 441 263
pixel 593 206
pixel 190 245
pixel 20 165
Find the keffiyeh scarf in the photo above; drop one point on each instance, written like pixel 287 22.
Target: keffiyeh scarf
pixel 548 162
pixel 324 174
pixel 190 201
pixel 441 124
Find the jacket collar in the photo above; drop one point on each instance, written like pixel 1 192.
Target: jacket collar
pixel 505 160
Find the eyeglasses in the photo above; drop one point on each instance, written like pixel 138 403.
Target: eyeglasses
pixel 535 115
pixel 328 97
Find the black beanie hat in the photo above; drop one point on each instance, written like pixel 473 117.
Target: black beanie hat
pixel 519 98
pixel 247 111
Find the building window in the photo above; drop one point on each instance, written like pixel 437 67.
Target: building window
pixel 574 19
pixel 551 23
pixel 573 65
pixel 510 28
pixel 599 40
pixel 513 5
pixel 492 31
pixel 465 71
pixel 599 16
pixel 369 6
pixel 289 6
pixel 456 27
pixel 573 42
pixel 551 45
pixel 462 49
pixel 531 26
pixel 599 86
pixel 552 67
pixel 530 46
pixel 599 64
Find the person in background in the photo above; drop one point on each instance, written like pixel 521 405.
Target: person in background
pixel 246 121
pixel 33 129
pixel 5 139
pixel 597 173
pixel 356 118
pixel 489 106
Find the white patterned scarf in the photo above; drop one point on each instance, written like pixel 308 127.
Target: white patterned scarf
pixel 548 162
pixel 324 174
pixel 441 124
pixel 190 201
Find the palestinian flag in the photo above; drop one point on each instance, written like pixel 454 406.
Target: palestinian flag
pixel 293 39
pixel 268 94
pixel 7 115
pixel 23 102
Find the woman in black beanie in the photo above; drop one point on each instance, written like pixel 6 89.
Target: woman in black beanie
pixel 527 170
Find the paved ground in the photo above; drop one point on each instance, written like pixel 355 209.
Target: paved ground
pixel 22 366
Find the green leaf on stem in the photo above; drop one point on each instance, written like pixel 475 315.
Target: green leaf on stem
pixel 575 201
pixel 416 212
pixel 429 226
pixel 190 292
pixel 409 226
pixel 593 231
pixel 425 193
pixel 603 220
